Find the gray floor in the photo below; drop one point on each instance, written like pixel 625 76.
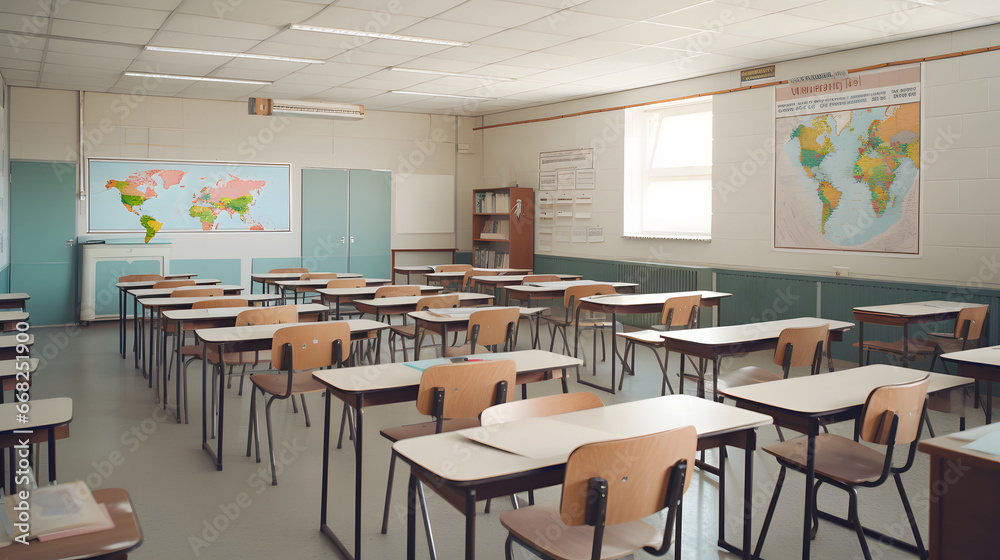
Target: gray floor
pixel 121 438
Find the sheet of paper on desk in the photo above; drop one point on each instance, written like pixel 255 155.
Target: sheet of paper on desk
pixel 975 433
pixel 989 444
pixel 536 438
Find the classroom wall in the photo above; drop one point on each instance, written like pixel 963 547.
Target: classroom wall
pixel 4 188
pixel 142 125
pixel 960 173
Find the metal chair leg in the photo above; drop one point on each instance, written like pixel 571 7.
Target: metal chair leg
pixel 909 516
pixel 853 517
pixel 270 441
pixel 388 493
pixel 770 513
pixel 305 411
pixel 427 521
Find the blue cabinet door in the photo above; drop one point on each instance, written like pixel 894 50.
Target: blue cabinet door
pixel 42 232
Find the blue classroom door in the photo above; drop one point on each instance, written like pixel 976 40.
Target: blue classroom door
pixel 369 251
pixel 42 244
pixel 325 219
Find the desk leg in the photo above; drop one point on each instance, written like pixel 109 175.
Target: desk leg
pixel 861 343
pixel 810 482
pixel 121 322
pixel 204 394
pixel 614 347
pixel 136 340
pixel 470 524
pixel 906 344
pixel 215 455
pixel 52 456
pixel 751 445
pixel 411 518
pixel 180 368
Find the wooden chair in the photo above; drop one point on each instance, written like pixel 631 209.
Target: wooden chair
pixel 550 405
pixel 604 500
pixel 488 330
pixel 892 416
pixel 170 328
pixel 193 352
pixel 403 290
pixel 453 268
pixel 454 395
pixel 595 322
pixel 140 278
pixel 163 284
pixel 408 332
pixel 967 334
pixel 303 347
pixel 678 312
pixel 800 346
pixel 468 284
pixel 310 289
pixel 263 316
pixel 292 270
pixel 539 278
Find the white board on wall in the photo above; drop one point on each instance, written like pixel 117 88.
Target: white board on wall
pixel 425 204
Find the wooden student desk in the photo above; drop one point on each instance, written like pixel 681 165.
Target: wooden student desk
pixel 444 321
pixel 555 290
pixel 982 364
pixel 464 472
pixel 458 275
pixel 48 419
pixel 124 288
pixel 110 544
pixel 367 386
pixel 407 271
pixel 964 485
pixel 187 319
pixel 10 319
pixel 9 371
pixel 265 278
pixel 712 343
pixel 246 339
pixel 9 345
pixel 14 301
pixel 904 315
pixel 285 285
pixel 156 304
pixel 405 304
pixel 501 281
pixel 802 403
pixel 633 303
pixel 339 295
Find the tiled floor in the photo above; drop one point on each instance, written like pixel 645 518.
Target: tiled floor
pixel 121 438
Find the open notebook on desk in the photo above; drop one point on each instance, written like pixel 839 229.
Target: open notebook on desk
pixel 536 438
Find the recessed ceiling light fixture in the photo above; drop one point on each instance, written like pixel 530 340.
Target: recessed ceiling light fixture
pixel 375 35
pixel 443 95
pixel 455 74
pixel 197 78
pixel 235 54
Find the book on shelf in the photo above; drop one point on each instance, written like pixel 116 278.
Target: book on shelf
pixel 59 511
pixel 495 229
pixel 492 203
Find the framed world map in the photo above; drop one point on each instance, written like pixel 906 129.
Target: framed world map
pixel 151 196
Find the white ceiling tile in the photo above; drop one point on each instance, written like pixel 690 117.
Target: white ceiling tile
pixel 86 61
pixel 166 5
pixel 419 8
pixel 20 41
pixel 643 33
pixel 833 36
pixel 300 79
pixel 504 70
pixel 350 70
pixel 708 41
pixel 645 55
pixel 347 94
pixel 207 42
pixel 413 50
pixel 271 12
pixel 15 77
pixel 523 39
pixel 479 53
pixel 710 15
pixel 506 14
pixel 428 63
pixel 501 89
pixel 361 56
pixel 589 48
pixel 284 49
pixel 187 64
pixel 544 60
pixel 290 91
pixel 12 53
pixel 104 13
pixel 439 29
pixel 387 79
pixel 100 31
pixel 768 5
pixel 25 8
pixel 985 8
pixel 18 64
pixel 219 27
pixel 368 20
pixel 575 24
pixel 638 10
pixel 96 50
pixel 268 74
pixel 774 25
pixel 560 4
pixel 919 19
pixel 763 50
pixel 840 11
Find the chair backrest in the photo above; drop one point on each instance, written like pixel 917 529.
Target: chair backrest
pixel 465 389
pixel 806 345
pixel 287 270
pixel 172 284
pixel 467 283
pixel 437 302
pixel 220 302
pixel 140 278
pixel 681 311
pixel 549 405
pixel 573 293
pixel 974 317
pixel 397 291
pixel 540 278
pixel 903 400
pixel 638 473
pixel 197 292
pixel 312 346
pixel 347 283
pixel 453 268
pixel 318 276
pixel 492 326
pixel 268 316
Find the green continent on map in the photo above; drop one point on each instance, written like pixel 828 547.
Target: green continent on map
pixel 151 225
pixel 883 149
pixel 131 196
pixel 831 198
pixel 206 215
pixel 239 205
pixel 812 151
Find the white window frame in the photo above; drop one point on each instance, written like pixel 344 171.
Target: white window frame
pixel 641 134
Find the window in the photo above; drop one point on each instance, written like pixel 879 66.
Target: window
pixel 668 170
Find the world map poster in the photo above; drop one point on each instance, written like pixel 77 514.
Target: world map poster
pixel 152 197
pixel 847 163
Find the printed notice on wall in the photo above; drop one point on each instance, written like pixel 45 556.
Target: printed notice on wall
pixel 595 235
pixel 566 179
pixel 585 178
pixel 579 235
pixel 566 159
pixel 547 181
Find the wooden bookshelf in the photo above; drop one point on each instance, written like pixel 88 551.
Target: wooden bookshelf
pixel 501 238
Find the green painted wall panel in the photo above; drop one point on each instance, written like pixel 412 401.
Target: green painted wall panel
pixel 106 275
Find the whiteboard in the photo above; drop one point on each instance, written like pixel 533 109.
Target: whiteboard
pixel 425 204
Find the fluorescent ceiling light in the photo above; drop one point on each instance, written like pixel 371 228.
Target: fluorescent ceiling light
pixel 456 74
pixel 197 78
pixel 235 54
pixel 443 95
pixel 374 35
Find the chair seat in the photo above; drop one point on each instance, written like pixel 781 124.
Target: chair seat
pixel 239 358
pixel 407 331
pixel 648 337
pixel 946 342
pixel 574 543
pixel 464 350
pixel 916 347
pixel 277 383
pixel 750 375
pixel 400 433
pixel 837 458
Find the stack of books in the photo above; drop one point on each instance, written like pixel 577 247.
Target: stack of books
pixel 54 512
